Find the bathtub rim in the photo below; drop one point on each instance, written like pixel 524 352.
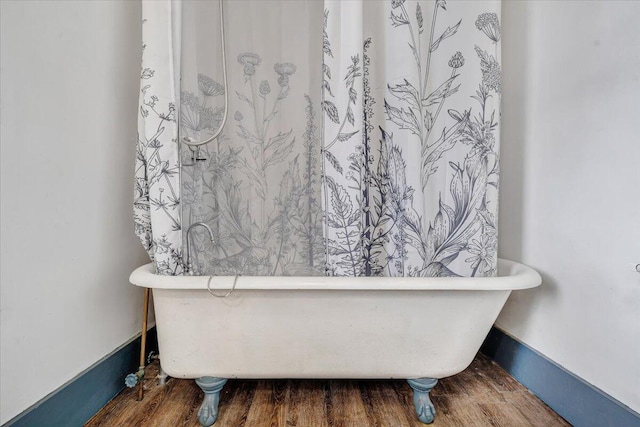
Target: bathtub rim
pixel 512 276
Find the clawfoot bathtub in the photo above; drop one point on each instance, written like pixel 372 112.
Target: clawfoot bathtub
pixel 421 329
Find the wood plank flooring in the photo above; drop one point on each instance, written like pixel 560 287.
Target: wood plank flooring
pixel 482 395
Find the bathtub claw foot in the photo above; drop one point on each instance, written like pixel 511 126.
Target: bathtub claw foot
pixel 208 412
pixel 424 408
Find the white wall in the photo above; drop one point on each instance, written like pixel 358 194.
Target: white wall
pixel 68 111
pixel 570 196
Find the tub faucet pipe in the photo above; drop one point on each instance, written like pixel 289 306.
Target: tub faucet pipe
pixel 136 378
pixel 143 343
pixel 189 270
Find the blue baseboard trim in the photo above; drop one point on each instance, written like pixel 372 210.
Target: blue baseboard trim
pixel 575 400
pixel 77 401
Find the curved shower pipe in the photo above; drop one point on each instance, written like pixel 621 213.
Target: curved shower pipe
pixel 190 141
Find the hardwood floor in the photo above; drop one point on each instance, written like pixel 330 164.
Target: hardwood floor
pixel 482 395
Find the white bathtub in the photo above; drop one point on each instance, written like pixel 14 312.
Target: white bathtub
pixel 325 327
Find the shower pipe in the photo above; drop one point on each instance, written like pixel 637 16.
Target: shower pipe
pixel 190 141
pixel 143 341
pixel 135 379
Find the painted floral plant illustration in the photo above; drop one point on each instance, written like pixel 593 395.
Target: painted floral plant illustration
pixel 334 194
pixel 380 222
pixel 261 226
pixel 156 202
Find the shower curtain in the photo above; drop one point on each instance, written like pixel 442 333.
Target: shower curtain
pixel 362 137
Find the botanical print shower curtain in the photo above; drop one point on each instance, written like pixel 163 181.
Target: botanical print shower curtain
pixel 259 185
pixel 412 93
pixel 156 204
pixel 362 137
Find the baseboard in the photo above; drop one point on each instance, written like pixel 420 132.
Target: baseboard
pixel 571 397
pixel 577 401
pixel 78 400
